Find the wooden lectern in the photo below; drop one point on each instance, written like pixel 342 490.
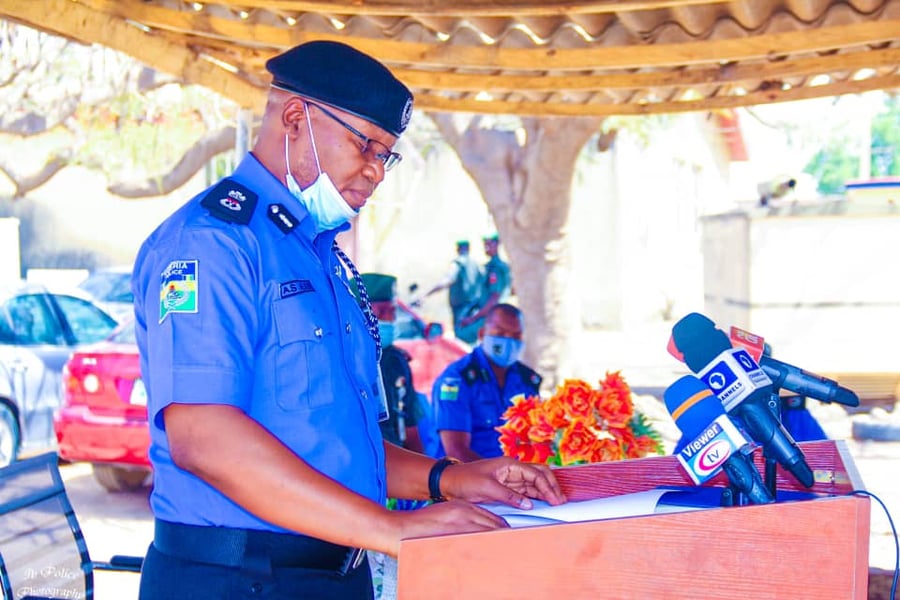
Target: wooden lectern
pixel 809 549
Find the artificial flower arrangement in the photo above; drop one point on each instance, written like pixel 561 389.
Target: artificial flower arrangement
pixel 578 424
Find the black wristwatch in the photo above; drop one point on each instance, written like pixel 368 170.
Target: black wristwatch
pixel 434 477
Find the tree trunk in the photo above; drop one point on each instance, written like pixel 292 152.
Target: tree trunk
pixel 527 188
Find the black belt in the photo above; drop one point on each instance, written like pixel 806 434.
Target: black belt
pixel 232 547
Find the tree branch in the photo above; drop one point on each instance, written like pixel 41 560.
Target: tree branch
pixel 25 184
pixel 213 143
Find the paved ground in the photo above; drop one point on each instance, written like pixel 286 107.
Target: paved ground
pixel 121 523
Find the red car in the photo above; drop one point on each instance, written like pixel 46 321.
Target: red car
pixel 103 418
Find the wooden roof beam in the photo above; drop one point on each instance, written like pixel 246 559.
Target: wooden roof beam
pixel 466 8
pixel 431 102
pixel 725 74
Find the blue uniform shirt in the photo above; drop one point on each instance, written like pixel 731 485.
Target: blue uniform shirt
pixel 467 397
pixel 255 312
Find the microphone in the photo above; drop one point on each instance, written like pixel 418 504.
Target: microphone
pixel 789 377
pixel 783 375
pixel 711 441
pixel 741 386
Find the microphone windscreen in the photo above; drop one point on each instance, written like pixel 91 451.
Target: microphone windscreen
pixel 698 340
pixel 692 405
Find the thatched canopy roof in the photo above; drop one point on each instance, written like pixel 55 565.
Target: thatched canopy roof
pixel 529 57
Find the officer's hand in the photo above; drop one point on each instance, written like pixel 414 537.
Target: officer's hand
pixel 504 480
pixel 442 518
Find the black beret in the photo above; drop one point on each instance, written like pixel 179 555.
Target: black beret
pixel 380 287
pixel 343 77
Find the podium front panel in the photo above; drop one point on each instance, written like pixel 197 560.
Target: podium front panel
pixel 811 549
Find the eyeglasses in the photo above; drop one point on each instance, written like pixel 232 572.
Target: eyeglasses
pixel 369 149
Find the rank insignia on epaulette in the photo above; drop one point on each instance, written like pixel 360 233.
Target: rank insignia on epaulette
pixel 230 202
pixel 282 218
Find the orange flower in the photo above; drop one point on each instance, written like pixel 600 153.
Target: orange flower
pixel 576 397
pixel 577 443
pixel 607 449
pixel 554 412
pixel 616 408
pixel 578 423
pixel 521 406
pixel 541 429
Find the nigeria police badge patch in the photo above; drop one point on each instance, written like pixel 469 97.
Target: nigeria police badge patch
pixel 178 288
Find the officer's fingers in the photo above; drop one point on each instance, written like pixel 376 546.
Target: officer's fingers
pixel 536 481
pixel 454 516
pixel 546 484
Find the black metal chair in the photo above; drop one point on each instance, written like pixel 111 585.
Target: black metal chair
pixel 43 554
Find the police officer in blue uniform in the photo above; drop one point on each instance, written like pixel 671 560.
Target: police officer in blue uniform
pixel 264 394
pixel 471 395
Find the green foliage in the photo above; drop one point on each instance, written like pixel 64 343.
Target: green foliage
pixel 837 161
pixel 140 135
pixel 886 139
pixel 641 426
pixel 832 167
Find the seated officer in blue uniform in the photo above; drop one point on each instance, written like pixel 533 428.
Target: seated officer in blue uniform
pixel 264 392
pixel 471 395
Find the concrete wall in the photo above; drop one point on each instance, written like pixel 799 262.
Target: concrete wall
pixel 824 291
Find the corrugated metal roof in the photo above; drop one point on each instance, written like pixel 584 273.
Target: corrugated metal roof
pixel 540 57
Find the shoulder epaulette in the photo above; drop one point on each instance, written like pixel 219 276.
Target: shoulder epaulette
pixel 230 202
pixel 529 375
pixel 473 371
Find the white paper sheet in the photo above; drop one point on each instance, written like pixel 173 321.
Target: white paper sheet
pixel 625 505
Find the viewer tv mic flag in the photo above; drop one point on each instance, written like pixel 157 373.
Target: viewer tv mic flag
pixel 741 386
pixel 713 442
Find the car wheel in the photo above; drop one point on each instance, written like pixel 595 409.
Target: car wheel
pixel 9 436
pixel 119 479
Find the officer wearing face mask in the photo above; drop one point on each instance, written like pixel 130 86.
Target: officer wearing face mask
pixel 471 395
pixel 400 428
pixel 271 473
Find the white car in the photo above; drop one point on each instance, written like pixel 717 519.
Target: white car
pixel 39 330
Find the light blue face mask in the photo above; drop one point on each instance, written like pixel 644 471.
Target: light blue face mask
pixel 322 199
pixel 386 331
pixel 502 351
